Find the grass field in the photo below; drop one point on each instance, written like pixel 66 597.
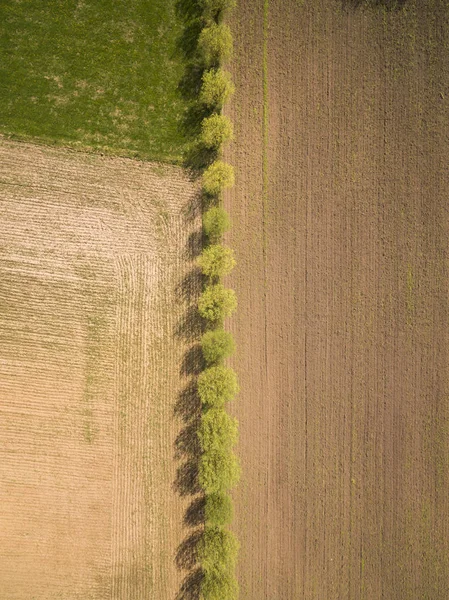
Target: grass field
pixel 94 74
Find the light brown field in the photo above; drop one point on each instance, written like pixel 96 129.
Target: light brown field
pixel 342 327
pixel 92 251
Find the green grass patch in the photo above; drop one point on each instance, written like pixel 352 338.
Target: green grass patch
pixel 94 74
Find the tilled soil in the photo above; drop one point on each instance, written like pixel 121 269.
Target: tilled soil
pixel 343 300
pixel 93 254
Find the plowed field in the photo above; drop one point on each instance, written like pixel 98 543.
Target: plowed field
pixel 93 251
pixel 341 228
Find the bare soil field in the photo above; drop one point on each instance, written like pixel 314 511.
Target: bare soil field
pixel 341 229
pixel 93 251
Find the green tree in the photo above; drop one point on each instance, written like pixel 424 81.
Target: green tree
pixel 216 89
pixel 217 345
pixel 218 176
pixel 215 223
pixel 217 302
pixel 217 385
pixel 217 430
pixel 215 44
pixel 219 510
pixel 219 586
pixel 216 261
pixel 216 130
pixel 219 471
pixel 217 550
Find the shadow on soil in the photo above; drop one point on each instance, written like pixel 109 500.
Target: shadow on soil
pixel 187 449
pixel 193 250
pixel 191 326
pixel 195 514
pixel 191 586
pixel 186 558
pixel 193 362
pixel 187 410
pixel 191 281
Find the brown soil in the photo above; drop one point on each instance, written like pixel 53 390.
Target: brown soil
pixel 343 301
pixel 93 252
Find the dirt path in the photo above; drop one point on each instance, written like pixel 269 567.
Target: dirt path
pixel 343 301
pixel 92 254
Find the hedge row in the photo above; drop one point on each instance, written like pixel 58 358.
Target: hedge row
pixel 219 468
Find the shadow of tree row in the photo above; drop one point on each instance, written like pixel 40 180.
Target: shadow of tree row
pixel 191 586
pixel 187 449
pixel 187 410
pixel 190 12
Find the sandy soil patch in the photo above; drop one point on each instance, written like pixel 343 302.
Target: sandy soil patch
pixel 92 254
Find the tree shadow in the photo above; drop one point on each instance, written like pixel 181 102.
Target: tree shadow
pixel 192 118
pixel 191 586
pixel 193 250
pixel 192 283
pixel 191 325
pixel 195 514
pixel 193 362
pixel 189 85
pixel 188 10
pixel 186 481
pixel 187 442
pixel 198 157
pixel 192 209
pixel 187 445
pixel 209 200
pixel 186 555
pixel 187 42
pixel 188 405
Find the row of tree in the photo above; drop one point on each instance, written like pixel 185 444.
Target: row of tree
pixel 219 469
